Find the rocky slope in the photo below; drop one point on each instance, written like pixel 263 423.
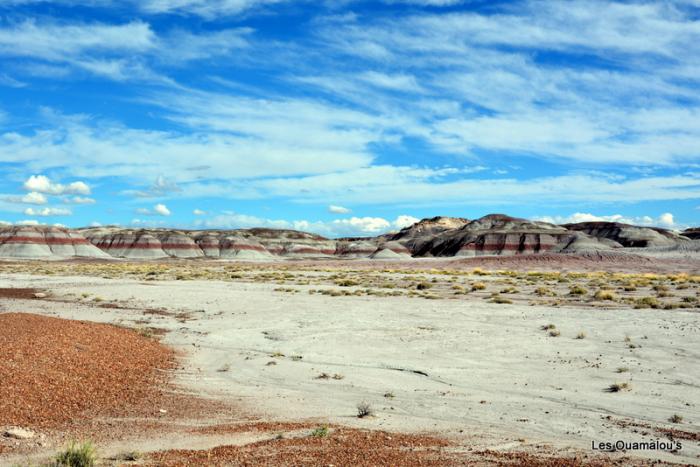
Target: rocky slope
pixel 225 244
pixel 45 242
pixel 495 234
pixel 625 235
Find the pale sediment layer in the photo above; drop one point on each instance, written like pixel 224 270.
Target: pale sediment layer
pixel 492 235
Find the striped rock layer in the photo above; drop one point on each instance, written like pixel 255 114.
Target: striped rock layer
pixel 45 242
pixel 495 234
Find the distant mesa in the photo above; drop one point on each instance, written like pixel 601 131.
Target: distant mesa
pixel 491 235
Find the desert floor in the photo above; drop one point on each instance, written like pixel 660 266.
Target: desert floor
pixel 494 362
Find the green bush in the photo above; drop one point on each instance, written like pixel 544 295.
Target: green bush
pixel 77 455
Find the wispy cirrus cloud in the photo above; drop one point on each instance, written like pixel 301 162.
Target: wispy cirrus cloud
pixel 127 51
pixel 384 106
pixel 209 9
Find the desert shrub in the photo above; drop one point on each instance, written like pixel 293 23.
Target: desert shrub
pixel 646 302
pixel 577 290
pixel 478 286
pixel 346 282
pixel 544 291
pixel 581 335
pixel 605 295
pixel 364 410
pixel 554 333
pixel 77 455
pixel 618 387
pixel 502 300
pixel 320 432
pixel 675 418
pixel 548 327
pixel 423 286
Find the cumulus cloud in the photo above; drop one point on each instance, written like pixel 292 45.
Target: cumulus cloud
pixel 161 210
pixel 664 220
pixel 157 210
pixel 349 227
pixel 45 212
pixel 42 184
pixel 338 209
pixel 34 198
pixel 199 212
pixel 30 198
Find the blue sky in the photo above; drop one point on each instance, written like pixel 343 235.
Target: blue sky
pixel 348 117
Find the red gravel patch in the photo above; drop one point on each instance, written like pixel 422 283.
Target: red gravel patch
pixel 257 426
pixel 54 371
pixel 343 446
pixel 503 459
pixel 22 294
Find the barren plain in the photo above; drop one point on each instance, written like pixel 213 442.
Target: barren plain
pixel 501 361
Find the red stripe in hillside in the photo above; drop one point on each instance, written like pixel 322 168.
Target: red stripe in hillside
pixel 174 246
pixel 496 247
pixel 45 241
pixel 310 251
pixel 507 246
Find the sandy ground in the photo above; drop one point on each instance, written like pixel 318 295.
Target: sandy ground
pixel 482 371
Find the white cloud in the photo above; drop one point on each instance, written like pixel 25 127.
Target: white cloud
pixel 157 210
pixel 45 212
pixel 29 222
pixel 30 198
pixel 34 198
pixel 664 220
pixel 115 51
pixel 161 210
pixel 233 139
pixel 353 226
pixel 405 221
pixel 79 200
pixel 630 114
pixel 29 38
pixel 209 9
pixel 147 223
pixel 338 209
pixel 465 80
pixel 42 184
pixel 363 225
pixel 199 212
